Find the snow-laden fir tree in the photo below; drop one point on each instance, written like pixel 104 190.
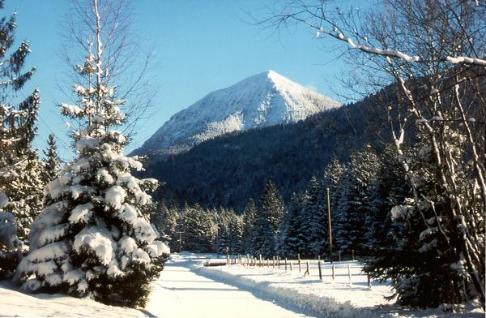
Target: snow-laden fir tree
pixel 235 231
pixel 387 190
pixel 93 239
pixel 20 167
pixel 267 221
pixel 332 178
pixel 354 202
pixel 421 259
pixel 222 219
pixel 230 232
pixel 292 240
pixel 314 219
pixel 198 230
pixel 165 221
pixel 52 163
pixel 249 215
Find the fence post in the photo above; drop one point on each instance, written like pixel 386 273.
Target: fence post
pixel 298 257
pixel 349 273
pixel 352 254
pixel 273 262
pixel 333 273
pixel 290 265
pixel 286 264
pixel 369 281
pixel 339 256
pixel 320 271
pixel 260 261
pixel 307 272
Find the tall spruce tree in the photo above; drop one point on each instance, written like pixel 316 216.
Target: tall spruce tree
pixel 332 179
pixel 235 233
pixel 20 167
pixel 314 218
pixel 249 215
pixel 354 202
pixel 419 257
pixel 165 221
pixel 52 163
pixel 387 190
pixel 267 221
pixel 292 240
pixel 93 238
pixel 222 220
pixel 197 229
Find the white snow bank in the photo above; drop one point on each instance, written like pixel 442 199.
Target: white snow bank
pixel 16 304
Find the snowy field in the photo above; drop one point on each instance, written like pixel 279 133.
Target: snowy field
pixel 188 289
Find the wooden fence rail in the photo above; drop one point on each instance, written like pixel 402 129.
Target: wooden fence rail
pixel 316 268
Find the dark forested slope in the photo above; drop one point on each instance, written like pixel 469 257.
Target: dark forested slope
pixel 228 170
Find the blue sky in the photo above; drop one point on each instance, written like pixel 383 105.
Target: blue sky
pixel 199 46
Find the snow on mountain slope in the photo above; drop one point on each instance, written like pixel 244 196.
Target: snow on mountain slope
pixel 264 99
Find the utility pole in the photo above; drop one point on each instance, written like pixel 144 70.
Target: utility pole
pixel 329 225
pixel 180 240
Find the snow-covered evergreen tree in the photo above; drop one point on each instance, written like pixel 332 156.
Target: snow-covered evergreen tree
pixel 93 238
pixel 165 221
pixel 314 219
pixel 419 257
pixel 52 163
pixel 354 202
pixel 332 179
pixel 10 249
pixel 292 240
pixel 235 230
pixel 222 219
pixel 387 190
pixel 249 215
pixel 20 167
pixel 267 221
pixel 198 229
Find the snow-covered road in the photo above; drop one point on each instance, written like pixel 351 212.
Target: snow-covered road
pixel 182 292
pixel 186 289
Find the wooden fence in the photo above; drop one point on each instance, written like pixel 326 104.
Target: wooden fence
pixel 324 270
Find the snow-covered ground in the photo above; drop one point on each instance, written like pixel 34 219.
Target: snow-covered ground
pixel 14 303
pixel 187 289
pixel 326 298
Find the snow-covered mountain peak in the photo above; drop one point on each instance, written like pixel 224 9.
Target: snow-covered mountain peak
pixel 261 100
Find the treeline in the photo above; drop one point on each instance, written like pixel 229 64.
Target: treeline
pixel 362 192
